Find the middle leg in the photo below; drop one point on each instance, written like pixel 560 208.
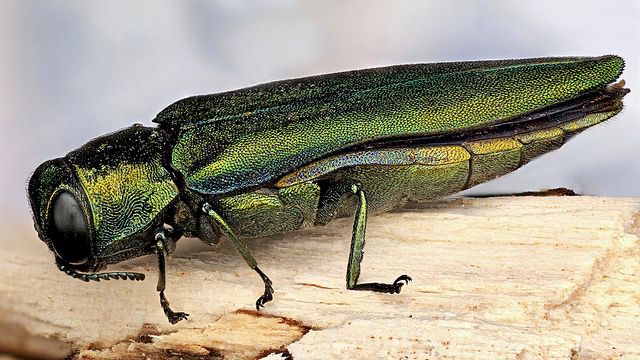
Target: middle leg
pixel 329 206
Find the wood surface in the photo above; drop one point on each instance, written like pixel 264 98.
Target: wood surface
pixel 494 278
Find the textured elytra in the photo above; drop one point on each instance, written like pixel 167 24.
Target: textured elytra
pixel 294 93
pixel 221 150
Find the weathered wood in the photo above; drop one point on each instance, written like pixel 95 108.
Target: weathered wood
pixel 508 277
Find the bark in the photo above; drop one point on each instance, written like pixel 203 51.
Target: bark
pixel 503 277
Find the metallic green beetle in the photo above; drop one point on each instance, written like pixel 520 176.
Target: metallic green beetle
pixel 297 153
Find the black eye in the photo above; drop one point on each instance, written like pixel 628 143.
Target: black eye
pixel 69 230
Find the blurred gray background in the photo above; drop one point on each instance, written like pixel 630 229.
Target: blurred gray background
pixel 74 70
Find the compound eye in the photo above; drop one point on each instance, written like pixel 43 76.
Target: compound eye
pixel 69 230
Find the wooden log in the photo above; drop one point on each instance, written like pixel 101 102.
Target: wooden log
pixel 494 278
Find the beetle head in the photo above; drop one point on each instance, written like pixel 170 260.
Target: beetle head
pixel 62 215
pixel 102 203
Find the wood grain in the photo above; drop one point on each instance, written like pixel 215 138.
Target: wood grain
pixel 494 278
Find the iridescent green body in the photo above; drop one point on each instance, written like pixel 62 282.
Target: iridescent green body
pixel 284 125
pixel 298 153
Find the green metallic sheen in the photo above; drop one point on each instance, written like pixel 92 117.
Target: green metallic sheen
pixel 299 153
pixel 285 125
pixel 125 181
pixel 539 142
pixel 256 214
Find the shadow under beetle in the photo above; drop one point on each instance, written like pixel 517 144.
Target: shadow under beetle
pixel 296 153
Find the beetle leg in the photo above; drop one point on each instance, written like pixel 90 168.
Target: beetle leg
pixel 161 242
pixel 337 193
pixel 241 247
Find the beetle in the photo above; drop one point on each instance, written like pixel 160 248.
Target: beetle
pixel 291 154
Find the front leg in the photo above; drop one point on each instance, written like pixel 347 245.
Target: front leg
pixel 328 208
pixel 241 247
pixel 162 242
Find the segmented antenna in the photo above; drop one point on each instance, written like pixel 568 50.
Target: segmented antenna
pixel 116 275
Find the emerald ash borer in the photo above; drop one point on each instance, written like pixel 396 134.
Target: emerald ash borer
pixel 297 153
